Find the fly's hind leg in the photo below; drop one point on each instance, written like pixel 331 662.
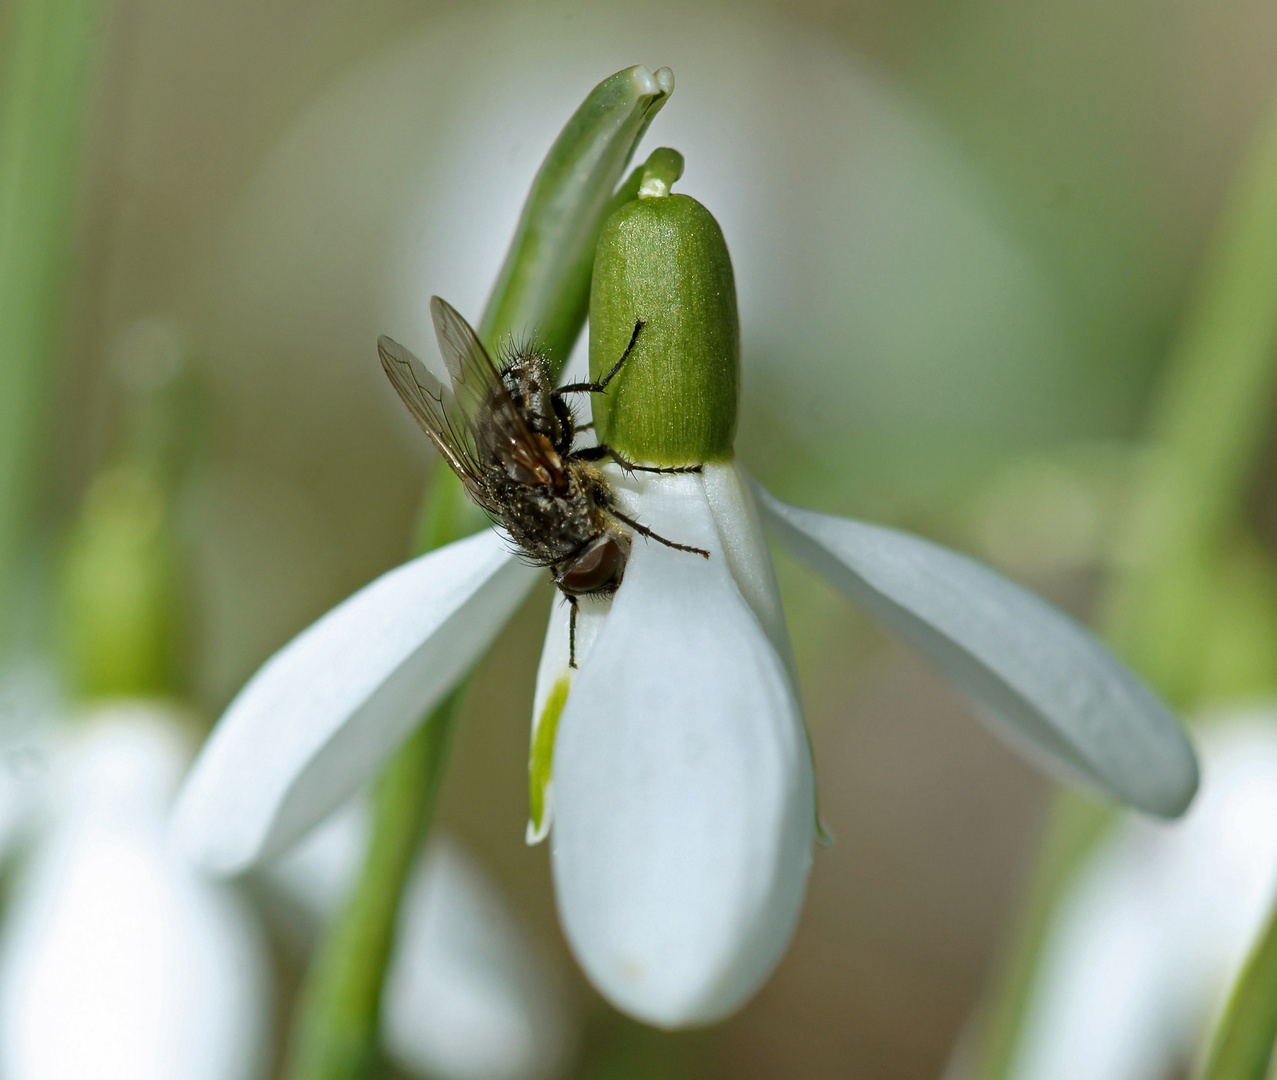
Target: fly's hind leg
pixel 598 453
pixel 644 531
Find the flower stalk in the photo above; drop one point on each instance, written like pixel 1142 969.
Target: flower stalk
pixel 336 1037
pixel 1208 429
pixel 48 54
pixel 1243 1044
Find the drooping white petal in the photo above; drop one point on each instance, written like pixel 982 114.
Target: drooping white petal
pixel 318 718
pixel 683 783
pixel 119 961
pixel 1144 947
pixel 466 996
pixel 1053 689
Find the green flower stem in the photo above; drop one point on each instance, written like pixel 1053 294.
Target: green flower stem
pixel 1243 1043
pixel 49 47
pixel 1207 432
pixel 336 1036
pixel 543 286
pixel 1208 429
pixel 1073 826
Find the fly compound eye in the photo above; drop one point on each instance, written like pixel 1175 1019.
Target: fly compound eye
pixel 600 566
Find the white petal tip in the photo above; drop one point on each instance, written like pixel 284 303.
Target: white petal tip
pixel 535 833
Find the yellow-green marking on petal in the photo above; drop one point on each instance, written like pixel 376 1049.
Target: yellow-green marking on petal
pixel 541 759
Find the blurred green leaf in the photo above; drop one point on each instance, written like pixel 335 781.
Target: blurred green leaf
pixel 1207 430
pixel 48 51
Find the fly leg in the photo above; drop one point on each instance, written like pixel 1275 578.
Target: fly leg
pixel 597 453
pixel 601 385
pixel 571 630
pixel 644 531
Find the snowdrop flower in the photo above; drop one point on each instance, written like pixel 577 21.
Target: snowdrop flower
pixel 1154 930
pixel 467 997
pixel 670 767
pixel 118 959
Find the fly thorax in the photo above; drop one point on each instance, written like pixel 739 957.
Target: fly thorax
pixel 526 378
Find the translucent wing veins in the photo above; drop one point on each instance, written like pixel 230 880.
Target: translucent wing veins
pixel 434 407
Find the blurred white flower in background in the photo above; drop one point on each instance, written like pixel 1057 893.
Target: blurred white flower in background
pixel 467 998
pixel 119 960
pixel 1153 932
pixel 31 707
pixel 467 995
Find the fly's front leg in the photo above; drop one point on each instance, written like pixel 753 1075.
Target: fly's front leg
pixel 601 385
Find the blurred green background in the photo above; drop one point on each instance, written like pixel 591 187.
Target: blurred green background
pixel 964 234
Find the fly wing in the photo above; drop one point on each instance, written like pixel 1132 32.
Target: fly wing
pixel 475 379
pixel 481 395
pixel 435 408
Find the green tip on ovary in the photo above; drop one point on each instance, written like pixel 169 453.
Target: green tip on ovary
pixel 662 260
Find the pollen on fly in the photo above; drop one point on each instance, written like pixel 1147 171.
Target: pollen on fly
pixel 510 436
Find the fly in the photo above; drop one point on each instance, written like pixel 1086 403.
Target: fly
pixel 510 436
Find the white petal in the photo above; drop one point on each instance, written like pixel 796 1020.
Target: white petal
pixel 555 677
pixel 319 717
pixel 1056 691
pixel 466 997
pixel 1146 944
pixel 683 784
pixel 119 962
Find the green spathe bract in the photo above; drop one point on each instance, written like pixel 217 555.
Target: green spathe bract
pixel 544 282
pixel 663 259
